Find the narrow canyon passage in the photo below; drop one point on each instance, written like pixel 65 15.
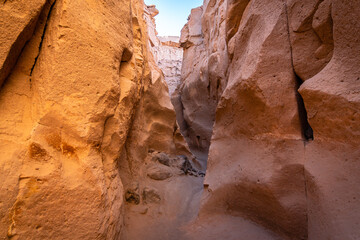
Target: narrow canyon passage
pixel 239 122
pixel 245 78
pixel 165 199
pixel 166 195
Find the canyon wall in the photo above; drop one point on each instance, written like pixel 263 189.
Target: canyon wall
pixel 194 104
pixel 82 105
pixel 280 81
pixel 166 51
pixel 169 60
pixel 90 146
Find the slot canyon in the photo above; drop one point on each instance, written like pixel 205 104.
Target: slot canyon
pixel 245 126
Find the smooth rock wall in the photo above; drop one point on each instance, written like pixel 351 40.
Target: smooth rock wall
pixel 285 161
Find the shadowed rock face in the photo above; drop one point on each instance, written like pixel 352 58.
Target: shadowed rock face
pixel 80 88
pixel 284 160
pixel 17 24
pixel 202 78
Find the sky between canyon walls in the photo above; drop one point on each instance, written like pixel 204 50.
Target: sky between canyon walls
pixel 173 15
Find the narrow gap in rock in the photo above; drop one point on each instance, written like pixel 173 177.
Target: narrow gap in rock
pixel 42 38
pixel 307 131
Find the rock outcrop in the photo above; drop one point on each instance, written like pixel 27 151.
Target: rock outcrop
pixel 81 106
pixel 287 162
pixel 17 23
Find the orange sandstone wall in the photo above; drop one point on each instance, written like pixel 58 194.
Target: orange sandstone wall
pixel 78 85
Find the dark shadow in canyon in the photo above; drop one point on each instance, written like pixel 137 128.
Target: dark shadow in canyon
pixel 307 131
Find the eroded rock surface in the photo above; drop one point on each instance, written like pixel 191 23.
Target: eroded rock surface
pixel 284 161
pixel 81 105
pixel 194 107
pixel 17 25
pixel 89 143
pixel 332 99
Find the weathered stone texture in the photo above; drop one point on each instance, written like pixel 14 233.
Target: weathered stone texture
pixel 283 160
pixel 71 102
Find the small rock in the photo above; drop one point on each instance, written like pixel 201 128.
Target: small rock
pixel 162 158
pixel 132 197
pixel 159 173
pixel 132 194
pixel 151 195
pixel 186 166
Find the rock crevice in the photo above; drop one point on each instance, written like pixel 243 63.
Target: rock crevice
pixel 43 35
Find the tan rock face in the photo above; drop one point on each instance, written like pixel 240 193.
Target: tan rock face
pixel 256 144
pixel 81 90
pixel 264 165
pixel 332 99
pixel 17 24
pixel 311 33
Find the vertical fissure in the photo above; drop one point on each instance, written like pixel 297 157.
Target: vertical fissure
pixel 42 37
pixel 306 129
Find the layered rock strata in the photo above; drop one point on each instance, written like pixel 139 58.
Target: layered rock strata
pixel 82 103
pixel 285 161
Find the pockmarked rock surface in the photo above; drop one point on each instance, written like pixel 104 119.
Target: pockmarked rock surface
pixel 82 102
pixel 283 152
